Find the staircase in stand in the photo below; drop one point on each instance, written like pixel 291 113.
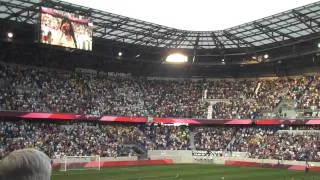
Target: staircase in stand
pixel 139 149
pixel 230 144
pixel 257 88
pixel 191 138
pixel 209 113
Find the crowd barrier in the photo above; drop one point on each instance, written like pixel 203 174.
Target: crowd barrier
pixel 125 119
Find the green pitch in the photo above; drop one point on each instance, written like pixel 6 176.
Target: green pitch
pixel 185 172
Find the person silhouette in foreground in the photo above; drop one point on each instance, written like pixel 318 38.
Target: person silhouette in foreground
pixel 25 164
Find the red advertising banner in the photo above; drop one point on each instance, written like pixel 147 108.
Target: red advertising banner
pixel 268 122
pixel 201 121
pixel 125 119
pixel 313 122
pixel 288 121
pixel 49 116
pixel 175 120
pixel 239 122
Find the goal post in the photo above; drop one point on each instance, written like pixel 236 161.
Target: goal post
pixel 80 163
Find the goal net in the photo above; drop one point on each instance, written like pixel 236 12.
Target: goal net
pixel 80 163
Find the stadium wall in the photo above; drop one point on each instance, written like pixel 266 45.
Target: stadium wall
pixel 186 157
pixel 177 156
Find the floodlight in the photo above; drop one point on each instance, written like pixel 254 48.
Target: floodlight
pixel 266 56
pixel 177 58
pixel 120 53
pixel 319 45
pixel 222 60
pixel 138 55
pixel 10 35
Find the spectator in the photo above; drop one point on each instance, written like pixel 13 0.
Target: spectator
pixel 26 164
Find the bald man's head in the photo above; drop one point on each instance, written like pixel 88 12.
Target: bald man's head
pixel 25 164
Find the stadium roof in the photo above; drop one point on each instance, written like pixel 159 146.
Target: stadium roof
pixel 202 15
pixel 289 26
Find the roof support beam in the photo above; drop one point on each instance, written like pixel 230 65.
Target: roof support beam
pixel 17 18
pixel 148 34
pixel 266 32
pixel 233 41
pixel 195 47
pixel 196 42
pixel 135 28
pixel 130 34
pixel 305 19
pixel 231 36
pixel 65 6
pixel 286 17
pixel 180 38
pixel 115 25
pixel 110 27
pixel 269 29
pixel 26 9
pixel 30 16
pixel 166 35
pixel 216 41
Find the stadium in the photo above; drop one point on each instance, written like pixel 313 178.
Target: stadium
pixel 107 96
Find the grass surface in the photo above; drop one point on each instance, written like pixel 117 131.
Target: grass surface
pixel 185 172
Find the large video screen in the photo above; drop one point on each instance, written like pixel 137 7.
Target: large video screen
pixel 65 29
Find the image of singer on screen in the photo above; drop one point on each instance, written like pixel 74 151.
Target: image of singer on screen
pixel 67 37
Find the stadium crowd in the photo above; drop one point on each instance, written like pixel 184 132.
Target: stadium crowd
pixel 25 88
pixel 110 140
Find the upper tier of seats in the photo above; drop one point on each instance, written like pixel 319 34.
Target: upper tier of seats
pixel 33 89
